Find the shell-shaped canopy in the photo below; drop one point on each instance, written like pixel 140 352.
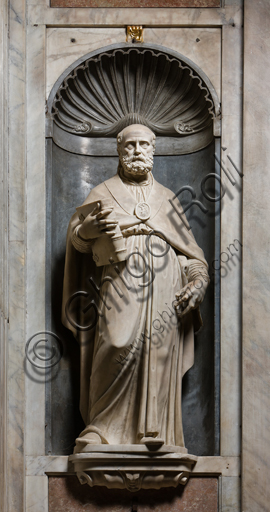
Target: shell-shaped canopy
pixel 127 86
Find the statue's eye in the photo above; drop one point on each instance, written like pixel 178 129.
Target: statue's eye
pixel 144 145
pixel 130 145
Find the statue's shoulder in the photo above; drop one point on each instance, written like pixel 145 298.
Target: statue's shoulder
pixel 163 191
pixel 98 192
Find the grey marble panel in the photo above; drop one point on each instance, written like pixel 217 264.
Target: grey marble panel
pixel 36 488
pixel 230 494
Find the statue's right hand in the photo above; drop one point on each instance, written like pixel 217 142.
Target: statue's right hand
pixel 97 224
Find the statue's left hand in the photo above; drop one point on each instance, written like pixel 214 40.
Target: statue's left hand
pixel 98 223
pixel 190 297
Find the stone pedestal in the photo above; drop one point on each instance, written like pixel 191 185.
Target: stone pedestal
pixel 133 467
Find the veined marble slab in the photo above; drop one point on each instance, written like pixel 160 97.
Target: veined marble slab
pixel 36 241
pixel 110 17
pixel 53 464
pixel 201 45
pixel 66 45
pixel 256 245
pixel 231 224
pixel 36 494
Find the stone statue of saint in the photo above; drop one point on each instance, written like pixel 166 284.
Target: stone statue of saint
pixel 139 339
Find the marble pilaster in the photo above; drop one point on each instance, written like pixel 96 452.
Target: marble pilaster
pixel 15 379
pixel 229 467
pixel 17 54
pixel 36 240
pixel 230 493
pixel 230 334
pixel 15 391
pixel 3 249
pixel 256 277
pixel 36 494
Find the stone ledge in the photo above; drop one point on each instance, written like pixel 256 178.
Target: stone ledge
pixel 133 467
pixel 59 465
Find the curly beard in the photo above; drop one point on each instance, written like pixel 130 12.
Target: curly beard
pixel 137 164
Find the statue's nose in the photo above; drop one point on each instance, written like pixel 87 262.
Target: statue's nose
pixel 137 149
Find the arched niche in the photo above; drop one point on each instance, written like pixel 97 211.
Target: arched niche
pixel 90 103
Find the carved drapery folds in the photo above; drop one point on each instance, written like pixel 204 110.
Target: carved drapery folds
pixel 134 85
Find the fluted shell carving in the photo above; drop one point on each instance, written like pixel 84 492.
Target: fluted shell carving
pixel 108 92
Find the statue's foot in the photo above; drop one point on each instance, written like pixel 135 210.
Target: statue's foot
pixel 91 438
pixel 152 442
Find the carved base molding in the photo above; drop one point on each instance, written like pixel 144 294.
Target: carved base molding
pixel 133 467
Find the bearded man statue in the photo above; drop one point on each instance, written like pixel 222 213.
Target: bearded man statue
pixel 134 356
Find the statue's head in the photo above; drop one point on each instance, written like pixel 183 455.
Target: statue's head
pixel 136 146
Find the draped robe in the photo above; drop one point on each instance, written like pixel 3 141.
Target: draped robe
pixel 134 359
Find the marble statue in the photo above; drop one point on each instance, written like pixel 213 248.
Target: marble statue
pixel 140 339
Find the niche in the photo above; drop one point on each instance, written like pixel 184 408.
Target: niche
pixel 91 102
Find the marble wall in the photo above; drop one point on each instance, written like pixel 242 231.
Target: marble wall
pixel 201 45
pixel 256 278
pixel 3 245
pixel 135 3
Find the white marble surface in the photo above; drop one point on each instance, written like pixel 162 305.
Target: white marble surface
pixel 256 275
pixel 3 249
pixel 230 333
pixel 3 412
pixel 40 13
pixel 51 464
pixel 201 45
pixel 15 376
pixel 38 466
pixel 36 489
pixel 4 43
pixel 36 241
pixel 61 52
pixel 17 120
pixel 16 261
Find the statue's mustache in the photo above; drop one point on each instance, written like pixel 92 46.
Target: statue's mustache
pixel 135 158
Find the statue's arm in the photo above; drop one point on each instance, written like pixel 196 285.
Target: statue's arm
pixel 97 223
pixel 86 233
pixel 194 269
pixel 197 281
pixel 80 244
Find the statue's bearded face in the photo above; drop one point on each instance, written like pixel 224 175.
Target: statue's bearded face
pixel 136 151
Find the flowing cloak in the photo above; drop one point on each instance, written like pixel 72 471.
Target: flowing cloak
pixel 133 357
